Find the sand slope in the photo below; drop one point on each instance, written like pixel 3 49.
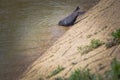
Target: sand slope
pixel 98 22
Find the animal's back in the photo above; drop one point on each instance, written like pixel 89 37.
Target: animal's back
pixel 68 21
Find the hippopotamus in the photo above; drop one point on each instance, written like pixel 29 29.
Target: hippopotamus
pixel 70 20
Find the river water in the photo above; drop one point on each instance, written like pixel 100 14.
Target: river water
pixel 28 28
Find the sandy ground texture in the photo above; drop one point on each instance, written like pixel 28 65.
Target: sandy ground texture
pixel 97 23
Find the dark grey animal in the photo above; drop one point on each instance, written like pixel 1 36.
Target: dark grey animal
pixel 70 20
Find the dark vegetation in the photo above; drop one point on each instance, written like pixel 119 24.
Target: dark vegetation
pixel 82 75
pixel 85 74
pixel 95 43
pixel 115 39
pixel 56 71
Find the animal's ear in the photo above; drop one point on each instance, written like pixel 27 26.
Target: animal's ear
pixel 77 8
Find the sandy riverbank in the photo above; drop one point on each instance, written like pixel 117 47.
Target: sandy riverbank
pixel 97 23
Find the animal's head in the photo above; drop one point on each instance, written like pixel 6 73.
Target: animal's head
pixel 78 12
pixel 77 9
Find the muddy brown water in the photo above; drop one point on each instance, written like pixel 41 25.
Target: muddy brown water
pixel 28 28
